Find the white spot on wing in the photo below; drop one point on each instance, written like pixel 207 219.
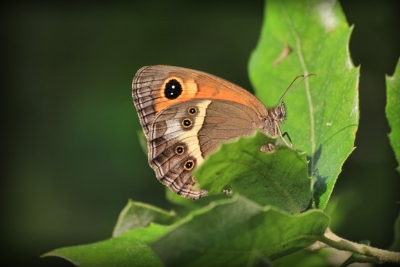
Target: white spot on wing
pixel 173 130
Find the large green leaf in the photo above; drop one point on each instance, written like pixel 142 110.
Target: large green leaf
pixel 231 232
pixel 138 215
pixel 238 232
pixel 393 110
pixel 128 249
pixel 276 178
pixel 393 115
pixel 323 110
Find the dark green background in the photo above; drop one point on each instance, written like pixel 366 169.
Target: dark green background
pixel 71 153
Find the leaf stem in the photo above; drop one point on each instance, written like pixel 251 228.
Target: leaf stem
pixel 339 243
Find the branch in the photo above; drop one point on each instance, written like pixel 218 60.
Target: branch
pixel 372 254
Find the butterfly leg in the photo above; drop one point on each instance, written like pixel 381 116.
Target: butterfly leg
pixel 290 140
pixel 283 136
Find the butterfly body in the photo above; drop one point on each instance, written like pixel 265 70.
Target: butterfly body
pixel 185 114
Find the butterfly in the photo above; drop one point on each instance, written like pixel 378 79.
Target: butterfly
pixel 185 114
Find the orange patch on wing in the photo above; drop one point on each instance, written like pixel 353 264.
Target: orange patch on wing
pixel 244 98
pixel 192 90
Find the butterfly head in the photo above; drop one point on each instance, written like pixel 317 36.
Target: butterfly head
pixel 280 112
pixel 276 116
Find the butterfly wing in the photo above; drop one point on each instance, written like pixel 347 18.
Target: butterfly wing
pixel 149 88
pixel 185 114
pixel 183 134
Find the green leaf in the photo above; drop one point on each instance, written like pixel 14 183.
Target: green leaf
pixel 393 110
pixel 393 115
pixel 128 249
pixel 238 232
pixel 278 178
pixel 323 111
pixel 138 215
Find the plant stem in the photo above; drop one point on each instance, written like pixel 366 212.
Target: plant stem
pixel 337 242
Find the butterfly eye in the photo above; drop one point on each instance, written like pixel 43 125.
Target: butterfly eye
pixel 186 123
pixel 192 110
pixel 281 112
pixel 189 165
pixel 172 89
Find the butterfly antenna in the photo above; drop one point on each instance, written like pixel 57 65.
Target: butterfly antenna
pixel 293 85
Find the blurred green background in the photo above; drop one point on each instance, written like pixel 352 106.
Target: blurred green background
pixel 72 156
